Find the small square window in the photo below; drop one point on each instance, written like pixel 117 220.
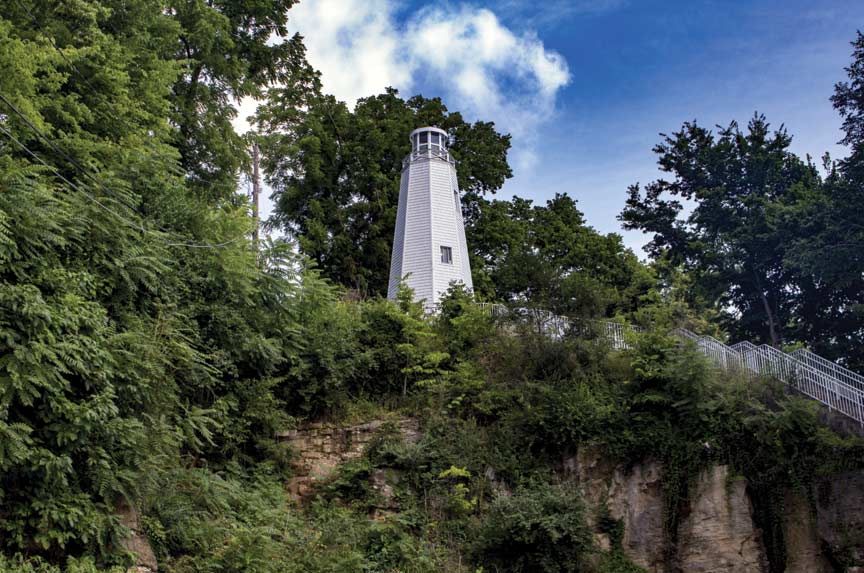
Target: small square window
pixel 447 255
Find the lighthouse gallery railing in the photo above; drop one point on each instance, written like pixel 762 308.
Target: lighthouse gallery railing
pixel 427 151
pixel 834 386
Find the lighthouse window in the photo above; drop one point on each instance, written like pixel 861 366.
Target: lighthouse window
pixel 435 139
pixel 424 138
pixel 447 255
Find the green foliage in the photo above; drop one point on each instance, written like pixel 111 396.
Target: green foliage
pixel 612 527
pixel 615 562
pixel 150 354
pixel 548 257
pixel 225 52
pixel 675 303
pixel 241 521
pixel 327 357
pixel 572 414
pixel 848 100
pixel 64 377
pixel 127 336
pixel 458 502
pixel 770 245
pixel 729 240
pixel 20 564
pixel 399 352
pixel 466 327
pixel 351 484
pixel 540 528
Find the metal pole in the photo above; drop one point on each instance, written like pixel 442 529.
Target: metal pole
pixel 256 189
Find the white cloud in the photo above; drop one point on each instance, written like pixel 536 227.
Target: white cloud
pixel 353 43
pixel 464 54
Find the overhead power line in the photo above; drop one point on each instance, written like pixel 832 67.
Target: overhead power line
pixel 57 149
pixel 118 118
pixel 158 152
pixel 92 197
pixel 126 221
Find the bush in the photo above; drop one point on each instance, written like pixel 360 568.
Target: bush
pixel 540 529
pixel 20 564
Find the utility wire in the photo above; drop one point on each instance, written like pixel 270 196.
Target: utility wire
pixel 159 153
pixel 129 222
pixel 121 218
pixel 56 148
pixel 92 197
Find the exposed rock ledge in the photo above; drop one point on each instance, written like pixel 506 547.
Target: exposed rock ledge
pixel 320 448
pixel 717 533
pixel 136 543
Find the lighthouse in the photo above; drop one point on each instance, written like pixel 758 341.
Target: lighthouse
pixel 429 250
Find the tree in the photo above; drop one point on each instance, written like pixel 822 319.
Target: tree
pixel 336 172
pixel 135 324
pixel 771 245
pixel 848 100
pixel 224 52
pixel 827 235
pixel 541 528
pixel 732 239
pixel 547 256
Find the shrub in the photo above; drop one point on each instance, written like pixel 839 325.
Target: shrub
pixel 540 529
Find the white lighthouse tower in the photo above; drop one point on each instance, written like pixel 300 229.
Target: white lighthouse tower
pixel 429 244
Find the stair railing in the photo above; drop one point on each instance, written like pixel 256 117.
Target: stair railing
pixel 829 383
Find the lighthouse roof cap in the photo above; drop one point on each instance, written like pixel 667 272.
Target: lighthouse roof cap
pixel 429 128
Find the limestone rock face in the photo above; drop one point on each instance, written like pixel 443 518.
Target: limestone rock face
pixel 719 534
pixel 137 542
pixel 840 519
pixel 382 482
pixel 804 554
pixel 633 496
pixel 319 449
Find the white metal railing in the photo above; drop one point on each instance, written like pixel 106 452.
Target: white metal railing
pixel 834 386
pixel 428 152
pixel 815 361
pixel 827 382
pixel 557 326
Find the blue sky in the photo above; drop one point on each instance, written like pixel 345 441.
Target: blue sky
pixel 585 86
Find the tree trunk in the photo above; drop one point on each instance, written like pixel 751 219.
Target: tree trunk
pixel 769 314
pixel 772 324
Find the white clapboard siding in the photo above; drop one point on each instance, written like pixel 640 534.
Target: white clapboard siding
pixel 460 227
pixel 429 216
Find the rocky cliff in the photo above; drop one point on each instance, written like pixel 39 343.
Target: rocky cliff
pixel 320 448
pixel 716 533
pixel 823 530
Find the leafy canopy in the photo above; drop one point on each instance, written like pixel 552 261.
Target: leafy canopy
pixel 335 172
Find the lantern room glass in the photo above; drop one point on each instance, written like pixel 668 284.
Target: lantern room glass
pixel 430 141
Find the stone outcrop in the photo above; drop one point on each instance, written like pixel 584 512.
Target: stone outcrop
pixel 633 496
pixel 717 531
pixel 320 448
pixel 840 520
pixel 718 535
pixel 136 542
pixel 805 554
